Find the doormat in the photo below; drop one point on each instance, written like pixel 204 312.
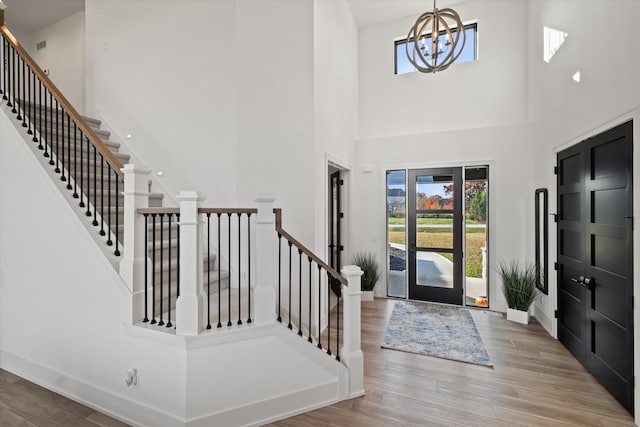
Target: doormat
pixel 435 330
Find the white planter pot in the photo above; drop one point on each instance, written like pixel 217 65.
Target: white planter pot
pixel 518 316
pixel 367 296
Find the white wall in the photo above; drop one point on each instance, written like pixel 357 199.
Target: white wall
pixel 166 75
pixel 64 56
pixel 336 108
pixel 565 112
pixel 472 113
pixel 274 108
pixel 491 91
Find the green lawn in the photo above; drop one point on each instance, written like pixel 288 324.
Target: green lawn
pixel 401 221
pixel 438 237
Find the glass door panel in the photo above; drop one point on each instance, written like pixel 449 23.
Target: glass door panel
pixel 476 191
pixel 434 225
pixel 396 234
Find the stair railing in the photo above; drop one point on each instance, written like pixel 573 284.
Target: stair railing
pixel 308 290
pixel 63 136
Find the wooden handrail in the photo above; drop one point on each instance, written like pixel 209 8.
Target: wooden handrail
pixel 62 101
pixel 143 211
pixel 303 248
pixel 227 210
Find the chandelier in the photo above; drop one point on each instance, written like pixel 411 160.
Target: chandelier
pixel 432 51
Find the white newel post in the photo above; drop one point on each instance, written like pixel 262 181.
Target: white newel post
pixel 264 295
pixel 190 304
pixel 136 196
pixel 351 352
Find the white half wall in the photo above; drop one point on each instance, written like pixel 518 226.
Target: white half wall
pixel 64 56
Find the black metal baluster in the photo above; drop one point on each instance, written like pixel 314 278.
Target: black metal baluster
pixel 300 292
pixel 153 268
pixel 95 187
pixel 49 112
pixel 338 337
pixel 110 224
pixel 88 212
pixel 161 322
pixel 328 313
pixel 290 326
pixel 57 137
pixel 310 293
pixel 39 116
pixel 219 275
pixel 16 97
pixel 239 273
pixel 29 100
pixel 319 306
pixel 69 186
pixel 4 68
pixel 208 270
pixel 81 204
pixel 75 160
pixel 117 251
pixel 229 240
pixel 249 265
pixel 146 267
pixel 178 272
pixel 279 277
pixel 169 217
pixel 46 125
pixel 35 119
pixel 102 233
pixel 12 60
pixel 24 95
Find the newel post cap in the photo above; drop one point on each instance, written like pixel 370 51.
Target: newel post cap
pixel 132 168
pixel 352 271
pixel 190 196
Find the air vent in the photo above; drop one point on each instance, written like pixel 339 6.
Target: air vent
pixel 41 45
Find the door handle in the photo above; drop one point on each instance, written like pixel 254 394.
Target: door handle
pixel 582 281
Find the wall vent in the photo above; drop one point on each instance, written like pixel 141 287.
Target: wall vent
pixel 41 45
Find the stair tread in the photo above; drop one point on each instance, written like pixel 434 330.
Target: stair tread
pixel 42 107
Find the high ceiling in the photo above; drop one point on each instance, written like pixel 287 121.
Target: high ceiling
pixel 372 12
pixel 28 16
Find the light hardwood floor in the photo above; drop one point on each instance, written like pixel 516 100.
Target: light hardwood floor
pixel 534 382
pixel 25 404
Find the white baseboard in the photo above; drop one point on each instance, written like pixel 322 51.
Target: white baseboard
pixel 118 407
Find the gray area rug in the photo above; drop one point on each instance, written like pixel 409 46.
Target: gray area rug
pixel 435 330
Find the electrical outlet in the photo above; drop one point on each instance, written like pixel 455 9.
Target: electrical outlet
pixel 132 379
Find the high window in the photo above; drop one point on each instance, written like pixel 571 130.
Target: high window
pixel 469 51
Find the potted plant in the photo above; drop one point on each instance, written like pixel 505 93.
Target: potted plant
pixel 519 288
pixel 369 266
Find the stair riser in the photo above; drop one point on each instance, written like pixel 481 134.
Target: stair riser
pixel 64 141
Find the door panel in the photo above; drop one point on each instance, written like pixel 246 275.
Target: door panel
pixel 434 226
pixel 595 231
pixel 335 221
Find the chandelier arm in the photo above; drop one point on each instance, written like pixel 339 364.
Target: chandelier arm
pixel 448 33
pixel 460 33
pixel 414 34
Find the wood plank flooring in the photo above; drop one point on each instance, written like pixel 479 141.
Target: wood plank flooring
pixel 26 404
pixel 535 382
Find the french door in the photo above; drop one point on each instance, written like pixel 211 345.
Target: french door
pixel 434 234
pixel 595 258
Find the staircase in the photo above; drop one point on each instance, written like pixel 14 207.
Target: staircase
pixel 200 310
